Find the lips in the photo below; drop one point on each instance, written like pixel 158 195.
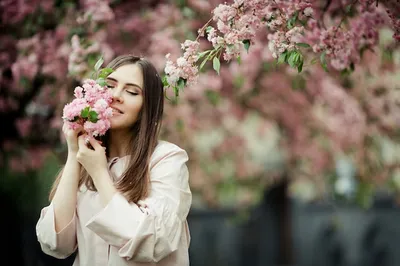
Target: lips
pixel 115 109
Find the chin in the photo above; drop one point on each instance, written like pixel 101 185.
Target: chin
pixel 115 125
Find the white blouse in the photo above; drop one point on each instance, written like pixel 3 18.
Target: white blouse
pixel 152 232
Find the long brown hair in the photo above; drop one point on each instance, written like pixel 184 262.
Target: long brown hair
pixel 145 132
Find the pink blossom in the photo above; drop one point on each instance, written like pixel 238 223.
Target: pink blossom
pixel 98 128
pixel 74 108
pixel 96 99
pixel 308 11
pixel 97 11
pixel 24 126
pixel 224 13
pixel 26 67
pixel 78 92
pixel 185 67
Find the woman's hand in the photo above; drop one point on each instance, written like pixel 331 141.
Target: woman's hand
pixel 93 160
pixel 71 137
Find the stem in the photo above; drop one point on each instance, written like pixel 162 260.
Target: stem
pixel 343 18
pixel 203 28
pixel 280 11
pixel 220 53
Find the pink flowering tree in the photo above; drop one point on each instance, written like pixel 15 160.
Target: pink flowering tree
pixel 257 89
pixel 299 32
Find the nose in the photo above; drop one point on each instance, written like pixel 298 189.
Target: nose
pixel 117 95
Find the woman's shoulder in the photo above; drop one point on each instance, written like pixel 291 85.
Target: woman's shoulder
pixel 164 145
pixel 166 149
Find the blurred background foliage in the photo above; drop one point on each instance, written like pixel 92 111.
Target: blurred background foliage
pixel 334 135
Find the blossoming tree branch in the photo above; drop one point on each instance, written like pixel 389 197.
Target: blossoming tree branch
pixel 297 34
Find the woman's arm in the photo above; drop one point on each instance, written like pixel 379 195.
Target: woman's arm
pixel 95 163
pixel 56 227
pixel 105 186
pixel 65 198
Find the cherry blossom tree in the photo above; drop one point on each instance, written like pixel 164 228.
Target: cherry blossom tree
pixel 256 89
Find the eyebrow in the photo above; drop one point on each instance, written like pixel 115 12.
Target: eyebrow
pixel 127 84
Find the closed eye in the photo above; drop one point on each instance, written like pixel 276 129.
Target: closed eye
pixel 132 93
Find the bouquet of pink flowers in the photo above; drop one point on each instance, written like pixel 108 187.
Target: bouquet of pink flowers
pixel 90 109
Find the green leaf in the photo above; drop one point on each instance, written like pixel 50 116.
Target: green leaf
pixel 165 81
pixel 323 61
pixel 176 90
pixel 296 59
pixel 203 63
pixel 202 54
pixel 283 57
pixel 239 60
pixel 315 60
pixel 300 66
pixel 181 83
pixel 92 59
pixel 299 58
pixel 99 63
pixel 302 22
pixel 85 112
pixel 216 64
pixel 102 82
pixel 208 29
pixel 292 58
pixel 246 44
pixel 93 116
pixel 292 21
pixel 104 72
pixel 304 45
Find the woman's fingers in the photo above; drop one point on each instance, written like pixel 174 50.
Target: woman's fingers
pixel 94 142
pixel 82 141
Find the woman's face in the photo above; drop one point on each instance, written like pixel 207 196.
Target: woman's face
pixel 126 83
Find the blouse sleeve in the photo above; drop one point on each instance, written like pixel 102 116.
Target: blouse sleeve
pixel 152 229
pixel 60 245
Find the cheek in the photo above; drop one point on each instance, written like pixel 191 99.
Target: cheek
pixel 135 108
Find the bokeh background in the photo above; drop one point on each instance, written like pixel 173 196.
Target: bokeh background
pixel 286 168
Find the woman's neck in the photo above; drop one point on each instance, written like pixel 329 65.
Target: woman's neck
pixel 118 143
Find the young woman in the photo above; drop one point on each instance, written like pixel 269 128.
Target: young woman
pixel 125 203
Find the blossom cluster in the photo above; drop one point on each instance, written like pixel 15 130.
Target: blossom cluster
pixel 97 11
pixel 291 26
pixel 90 109
pixel 184 71
pixel 237 25
pixel 78 64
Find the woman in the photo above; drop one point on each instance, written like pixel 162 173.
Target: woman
pixel 125 203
